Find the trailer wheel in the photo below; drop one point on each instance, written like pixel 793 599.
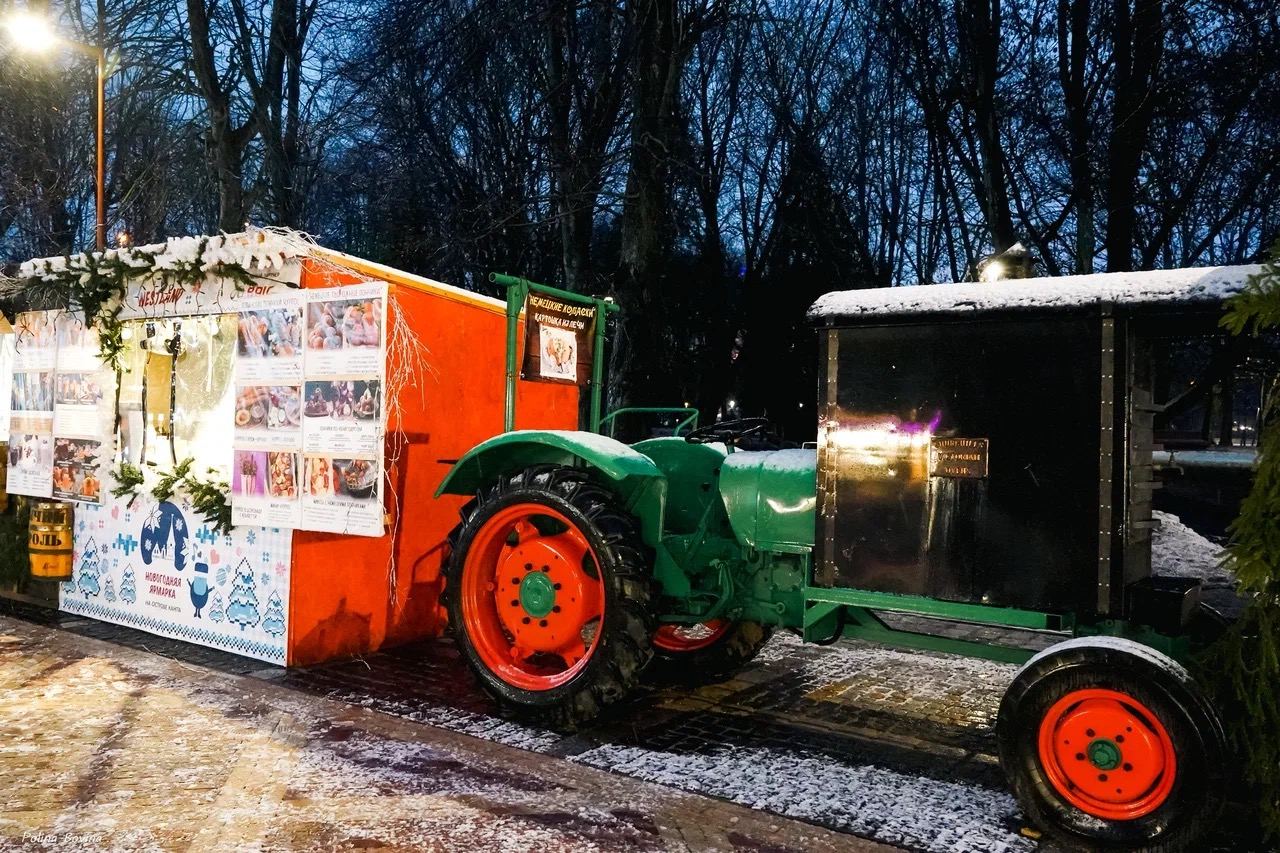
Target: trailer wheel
pixel 1110 744
pixel 548 595
pixel 705 652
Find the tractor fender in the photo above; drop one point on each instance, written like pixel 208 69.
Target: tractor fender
pixel 627 473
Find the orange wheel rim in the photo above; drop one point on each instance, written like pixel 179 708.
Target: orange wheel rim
pixel 1107 754
pixel 532 596
pixel 690 638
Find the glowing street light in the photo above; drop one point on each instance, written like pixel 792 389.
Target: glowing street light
pixel 32 33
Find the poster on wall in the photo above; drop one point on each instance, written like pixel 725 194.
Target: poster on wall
pixel 31 396
pixel 343 410
pixel 559 339
pixel 268 412
pixel 158 567
pixel 82 399
pixel 6 374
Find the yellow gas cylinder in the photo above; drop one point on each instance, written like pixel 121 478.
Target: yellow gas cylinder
pixel 49 541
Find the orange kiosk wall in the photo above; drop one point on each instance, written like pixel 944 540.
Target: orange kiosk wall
pixel 351 594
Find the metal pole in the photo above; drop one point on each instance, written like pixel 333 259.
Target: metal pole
pixel 515 301
pixel 597 364
pixel 102 148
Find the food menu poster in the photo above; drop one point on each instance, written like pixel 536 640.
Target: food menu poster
pixel 82 398
pixel 268 412
pixel 58 398
pixel 309 413
pixel 343 409
pixel 31 396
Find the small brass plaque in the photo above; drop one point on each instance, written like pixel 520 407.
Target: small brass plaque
pixel 958 457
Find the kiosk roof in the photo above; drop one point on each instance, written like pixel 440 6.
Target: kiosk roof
pixel 1202 285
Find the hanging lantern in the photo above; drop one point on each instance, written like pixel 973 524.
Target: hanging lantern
pixel 49 541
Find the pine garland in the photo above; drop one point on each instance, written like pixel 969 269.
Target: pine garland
pixel 208 496
pixel 95 283
pixel 1243 667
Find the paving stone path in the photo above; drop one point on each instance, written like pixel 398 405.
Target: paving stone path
pixel 875 743
pixel 104 747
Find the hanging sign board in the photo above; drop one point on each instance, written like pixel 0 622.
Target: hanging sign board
pixel 559 336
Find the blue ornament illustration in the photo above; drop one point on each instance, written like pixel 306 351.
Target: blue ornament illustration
pixel 90 568
pixel 128 589
pixel 108 590
pixel 242 608
pixel 273 621
pixel 164 534
pixel 216 612
pixel 199 588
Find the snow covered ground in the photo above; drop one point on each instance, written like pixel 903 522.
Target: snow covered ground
pixel 1178 551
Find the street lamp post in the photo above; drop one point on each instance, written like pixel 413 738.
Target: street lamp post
pixel 32 33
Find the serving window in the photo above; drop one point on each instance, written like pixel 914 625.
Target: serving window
pixel 177 391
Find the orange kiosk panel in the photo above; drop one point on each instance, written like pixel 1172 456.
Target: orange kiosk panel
pixel 353 594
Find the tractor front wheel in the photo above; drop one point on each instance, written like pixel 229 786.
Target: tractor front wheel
pixel 548 595
pixel 1110 744
pixel 706 652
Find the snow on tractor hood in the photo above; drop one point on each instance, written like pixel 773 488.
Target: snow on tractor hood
pixel 770 496
pixel 1202 286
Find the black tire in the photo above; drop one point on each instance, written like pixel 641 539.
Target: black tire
pixel 1168 692
pixel 720 660
pixel 613 667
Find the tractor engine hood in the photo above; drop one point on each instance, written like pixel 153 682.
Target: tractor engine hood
pixel 770 498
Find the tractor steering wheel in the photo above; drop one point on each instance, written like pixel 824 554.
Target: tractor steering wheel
pixel 728 432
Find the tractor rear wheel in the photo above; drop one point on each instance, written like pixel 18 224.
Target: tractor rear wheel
pixel 706 652
pixel 1109 744
pixel 548 595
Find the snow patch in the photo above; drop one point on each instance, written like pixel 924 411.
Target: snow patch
pixel 1178 551
pixel 1202 285
pixel 922 814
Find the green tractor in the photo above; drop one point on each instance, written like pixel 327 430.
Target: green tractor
pixel 983 456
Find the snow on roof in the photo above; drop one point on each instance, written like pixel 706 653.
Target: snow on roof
pixel 1205 285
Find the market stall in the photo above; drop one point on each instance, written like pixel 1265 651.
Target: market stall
pixel 251 428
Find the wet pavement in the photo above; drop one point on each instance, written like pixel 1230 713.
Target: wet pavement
pixel 107 747
pixel 856 739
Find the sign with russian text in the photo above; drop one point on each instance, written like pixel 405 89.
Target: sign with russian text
pixel 559 336
pixel 961 458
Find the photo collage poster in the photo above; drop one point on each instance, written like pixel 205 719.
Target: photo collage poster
pixel 82 410
pixel 30 462
pixel 59 402
pixel 309 421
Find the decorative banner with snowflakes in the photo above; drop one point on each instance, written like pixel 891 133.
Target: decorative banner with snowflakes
pixel 157 567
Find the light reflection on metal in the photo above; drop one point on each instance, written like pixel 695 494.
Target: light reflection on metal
pixel 884 446
pixel 803 505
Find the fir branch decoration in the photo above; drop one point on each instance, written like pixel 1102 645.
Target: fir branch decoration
pixel 94 284
pixel 209 499
pixel 128 481
pixel 1243 667
pixel 208 496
